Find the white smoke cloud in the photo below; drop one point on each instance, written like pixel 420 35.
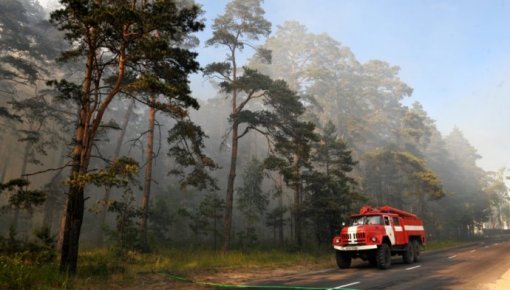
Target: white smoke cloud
pixel 49 4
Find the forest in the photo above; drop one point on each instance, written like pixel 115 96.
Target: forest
pixel 104 145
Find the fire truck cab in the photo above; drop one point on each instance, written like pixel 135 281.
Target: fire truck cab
pixel 376 234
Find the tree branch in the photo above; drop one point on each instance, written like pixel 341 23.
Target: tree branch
pixel 251 96
pixel 48 170
pixel 248 128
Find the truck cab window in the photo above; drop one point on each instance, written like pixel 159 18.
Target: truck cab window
pixel 366 220
pixel 396 222
pixel 374 220
pixel 386 221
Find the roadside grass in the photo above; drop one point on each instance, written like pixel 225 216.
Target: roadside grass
pixel 437 245
pixel 109 269
pixel 100 269
pixel 204 260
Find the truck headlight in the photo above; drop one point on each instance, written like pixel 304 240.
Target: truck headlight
pixel 373 239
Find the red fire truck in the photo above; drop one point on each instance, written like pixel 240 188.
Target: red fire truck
pixel 376 234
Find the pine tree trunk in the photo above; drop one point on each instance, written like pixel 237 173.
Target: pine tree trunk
pixel 61 226
pixel 297 203
pixel 423 205
pixel 230 190
pixel 6 158
pixel 148 174
pixel 49 210
pixel 274 233
pixel 229 202
pixel 24 164
pixel 279 189
pixel 73 213
pixel 125 122
pixel 71 231
pixel 6 163
pixel 72 219
pixel 215 229
pixel 51 201
pixel 120 140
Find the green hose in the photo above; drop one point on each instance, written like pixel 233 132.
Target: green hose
pixel 229 286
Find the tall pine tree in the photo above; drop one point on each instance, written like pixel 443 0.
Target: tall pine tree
pixel 109 36
pixel 242 23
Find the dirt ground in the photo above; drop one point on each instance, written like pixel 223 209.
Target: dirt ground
pixel 503 283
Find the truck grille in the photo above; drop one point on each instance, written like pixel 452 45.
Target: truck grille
pixel 357 238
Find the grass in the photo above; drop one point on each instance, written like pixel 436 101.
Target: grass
pixel 203 259
pixel 16 273
pixel 107 269
pixel 100 268
pixel 437 245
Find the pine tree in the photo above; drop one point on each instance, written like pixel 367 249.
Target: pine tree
pixel 242 23
pixel 252 201
pixel 111 36
pixel 331 192
pixel 293 140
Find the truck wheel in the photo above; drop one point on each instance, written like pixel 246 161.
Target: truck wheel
pixel 416 248
pixel 383 256
pixel 408 255
pixel 343 259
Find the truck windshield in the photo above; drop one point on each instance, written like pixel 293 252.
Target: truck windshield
pixel 366 220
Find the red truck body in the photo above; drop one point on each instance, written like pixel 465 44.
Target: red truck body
pixel 376 234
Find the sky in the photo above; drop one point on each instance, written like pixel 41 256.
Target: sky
pixel 454 54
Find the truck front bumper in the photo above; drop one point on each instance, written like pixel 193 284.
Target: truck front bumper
pixel 355 248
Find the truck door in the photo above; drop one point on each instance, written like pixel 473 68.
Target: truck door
pixel 399 231
pixel 389 229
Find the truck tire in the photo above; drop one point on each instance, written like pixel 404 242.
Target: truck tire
pixel 343 259
pixel 408 254
pixel 416 248
pixel 383 256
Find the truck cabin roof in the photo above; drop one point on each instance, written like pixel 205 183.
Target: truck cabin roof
pixel 357 215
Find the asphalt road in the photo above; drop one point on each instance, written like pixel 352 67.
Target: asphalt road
pixel 476 266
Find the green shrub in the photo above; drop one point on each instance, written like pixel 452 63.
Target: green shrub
pixel 14 273
pixel 101 264
pixel 29 265
pixel 17 273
